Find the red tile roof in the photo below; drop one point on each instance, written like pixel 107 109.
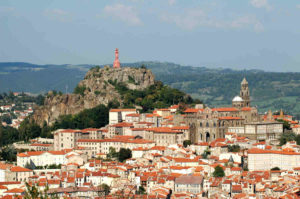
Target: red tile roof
pixel 121 110
pixel 163 130
pixel 261 151
pixel 15 190
pixel 133 115
pixel 123 124
pixel 193 110
pixel 180 128
pixel 20 169
pixel 246 109
pixel 225 109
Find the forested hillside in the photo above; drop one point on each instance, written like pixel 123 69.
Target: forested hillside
pixel 214 86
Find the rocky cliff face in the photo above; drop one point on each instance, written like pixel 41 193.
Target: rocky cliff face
pixel 98 87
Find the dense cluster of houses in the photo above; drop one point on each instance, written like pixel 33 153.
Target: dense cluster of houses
pixel 17 116
pixel 176 152
pixel 163 163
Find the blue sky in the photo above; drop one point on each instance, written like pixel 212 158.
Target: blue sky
pixel 262 34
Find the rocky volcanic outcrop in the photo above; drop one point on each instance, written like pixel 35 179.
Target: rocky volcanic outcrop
pixel 98 87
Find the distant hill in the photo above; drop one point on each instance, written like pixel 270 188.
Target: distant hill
pixel 18 76
pixel 216 87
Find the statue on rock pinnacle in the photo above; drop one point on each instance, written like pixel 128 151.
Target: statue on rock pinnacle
pixel 117 62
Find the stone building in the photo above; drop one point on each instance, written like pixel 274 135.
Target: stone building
pixel 262 131
pixel 207 124
pixel 67 138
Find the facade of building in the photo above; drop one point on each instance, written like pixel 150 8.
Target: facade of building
pixel 18 173
pixel 164 136
pixel 66 138
pixel 263 130
pixel 93 147
pixel 43 158
pixel 119 115
pixel 260 159
pixel 189 183
pixel 207 124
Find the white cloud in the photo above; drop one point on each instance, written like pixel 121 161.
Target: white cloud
pixel 248 21
pixel 124 13
pixel 261 4
pixel 197 17
pixel 191 19
pixel 6 9
pixel 298 6
pixel 171 2
pixel 58 14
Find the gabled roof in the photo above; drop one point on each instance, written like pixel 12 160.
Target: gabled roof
pixel 123 124
pixel 20 169
pixel 261 151
pixel 225 109
pixel 193 110
pixel 15 190
pixel 163 130
pixel 189 179
pixel 122 110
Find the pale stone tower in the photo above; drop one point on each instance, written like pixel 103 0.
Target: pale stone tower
pixel 244 93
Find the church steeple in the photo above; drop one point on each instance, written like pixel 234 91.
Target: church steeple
pixel 244 93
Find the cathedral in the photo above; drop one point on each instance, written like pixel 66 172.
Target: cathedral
pixel 207 124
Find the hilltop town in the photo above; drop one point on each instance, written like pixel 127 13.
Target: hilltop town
pixel 177 151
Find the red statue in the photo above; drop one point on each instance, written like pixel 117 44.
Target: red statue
pixel 116 62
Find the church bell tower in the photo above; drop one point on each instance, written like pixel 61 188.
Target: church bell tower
pixel 244 93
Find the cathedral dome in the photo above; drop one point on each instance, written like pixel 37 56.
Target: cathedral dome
pixel 237 99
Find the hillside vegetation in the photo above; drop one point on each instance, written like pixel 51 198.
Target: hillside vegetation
pixel 215 87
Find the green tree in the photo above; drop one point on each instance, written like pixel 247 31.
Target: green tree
pixel 46 131
pixel 219 172
pixel 187 143
pixel 275 169
pixel 79 90
pixel 141 190
pixel 143 66
pixel 28 130
pixel 8 153
pixel 112 153
pixel 8 135
pixel 95 117
pixel 286 137
pixel 40 100
pixel 106 188
pixel 6 118
pixel 234 148
pixel 286 125
pixel 124 154
pixel 205 154
pixel 32 192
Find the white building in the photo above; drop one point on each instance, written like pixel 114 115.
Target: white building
pixel 119 115
pixel 259 159
pixel 43 158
